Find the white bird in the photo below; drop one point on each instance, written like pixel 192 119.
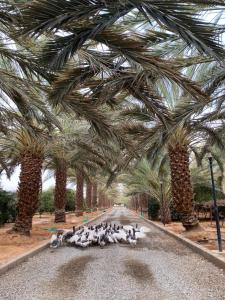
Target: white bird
pixel 131 238
pixel 74 239
pixel 101 235
pixel 128 227
pixel 56 240
pixel 140 235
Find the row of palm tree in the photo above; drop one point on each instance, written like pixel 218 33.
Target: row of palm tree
pixel 126 69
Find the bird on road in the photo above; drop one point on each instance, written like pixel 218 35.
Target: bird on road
pixel 101 235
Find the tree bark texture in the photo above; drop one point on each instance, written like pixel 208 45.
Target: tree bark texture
pixel 89 195
pixel 79 193
pixel 95 196
pixel 60 192
pixel 181 185
pixel 28 191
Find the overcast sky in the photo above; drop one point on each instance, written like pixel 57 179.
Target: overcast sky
pixel 12 183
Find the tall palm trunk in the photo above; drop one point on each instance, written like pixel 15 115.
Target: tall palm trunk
pixel 145 201
pixel 28 191
pixel 89 195
pixel 181 184
pixel 106 201
pixel 79 193
pixel 60 191
pixel 103 200
pixel 133 202
pixel 165 212
pixel 94 196
pixel 100 199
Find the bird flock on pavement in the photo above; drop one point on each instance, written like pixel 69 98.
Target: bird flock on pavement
pixel 98 235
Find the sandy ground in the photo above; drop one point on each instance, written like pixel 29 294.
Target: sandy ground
pixel 13 245
pixel 158 268
pixel 209 232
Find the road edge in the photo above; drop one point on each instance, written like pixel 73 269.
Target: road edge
pixel 213 258
pixel 23 257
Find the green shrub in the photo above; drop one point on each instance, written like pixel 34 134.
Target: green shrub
pixel 70 200
pixel 7 207
pixel 153 209
pixel 175 216
pixel 203 193
pixel 46 202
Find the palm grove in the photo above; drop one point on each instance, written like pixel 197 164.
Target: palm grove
pixel 101 92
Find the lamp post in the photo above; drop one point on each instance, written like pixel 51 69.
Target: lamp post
pixel 162 204
pixel 215 204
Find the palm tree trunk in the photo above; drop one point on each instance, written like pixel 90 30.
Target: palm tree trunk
pixel 133 203
pixel 28 191
pixel 94 196
pixel 103 200
pixel 181 185
pixel 89 195
pixel 79 193
pixel 60 192
pixel 100 199
pixel 165 212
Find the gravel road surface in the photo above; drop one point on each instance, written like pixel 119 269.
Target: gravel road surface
pixel 157 268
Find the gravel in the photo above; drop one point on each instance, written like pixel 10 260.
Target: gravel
pixel 159 267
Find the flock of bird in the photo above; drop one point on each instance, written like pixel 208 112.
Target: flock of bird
pixel 100 235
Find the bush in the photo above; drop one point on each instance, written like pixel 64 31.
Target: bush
pixel 203 193
pixel 46 202
pixel 70 200
pixel 175 216
pixel 7 207
pixel 153 209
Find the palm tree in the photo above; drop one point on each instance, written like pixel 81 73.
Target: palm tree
pixel 89 194
pixel 79 192
pixel 63 147
pixel 85 21
pixel 95 196
pixel 128 59
pixel 143 180
pixel 177 139
pixel 27 149
pixel 57 162
pixel 22 105
pixel 60 191
pixel 21 93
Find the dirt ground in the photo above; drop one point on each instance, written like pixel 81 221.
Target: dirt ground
pixel 12 245
pixel 206 237
pixel 208 233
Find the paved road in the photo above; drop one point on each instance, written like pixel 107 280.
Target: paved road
pixel 158 268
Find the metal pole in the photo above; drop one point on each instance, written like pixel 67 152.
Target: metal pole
pixel 162 206
pixel 215 207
